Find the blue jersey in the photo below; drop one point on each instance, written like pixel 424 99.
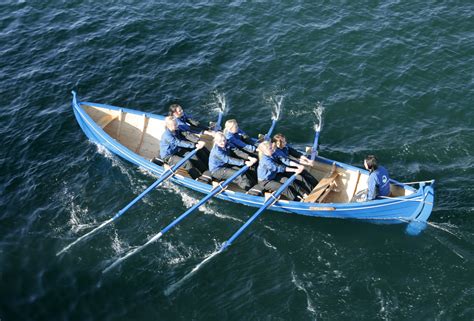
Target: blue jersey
pixel 379 183
pixel 236 141
pixel 185 126
pixel 219 158
pixel 268 168
pixel 171 141
pixel 283 155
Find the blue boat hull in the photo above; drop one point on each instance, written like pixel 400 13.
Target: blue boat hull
pixel 414 209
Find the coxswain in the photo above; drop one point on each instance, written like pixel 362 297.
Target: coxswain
pixel 379 180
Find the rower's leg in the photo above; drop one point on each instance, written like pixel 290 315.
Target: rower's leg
pixel 224 173
pixel 294 190
pixel 309 180
pixel 174 159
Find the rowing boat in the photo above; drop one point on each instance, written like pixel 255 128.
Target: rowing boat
pixel 135 136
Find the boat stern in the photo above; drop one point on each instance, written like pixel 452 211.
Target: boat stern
pixel 419 221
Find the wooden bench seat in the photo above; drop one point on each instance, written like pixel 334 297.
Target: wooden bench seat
pixel 325 186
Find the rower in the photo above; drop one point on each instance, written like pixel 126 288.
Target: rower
pixel 379 181
pixel 237 138
pixel 173 147
pixel 190 129
pixel 185 123
pixel 223 165
pixel 282 153
pixel 270 173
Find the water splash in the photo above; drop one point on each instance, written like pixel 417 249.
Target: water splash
pixel 277 102
pixel 219 102
pixel 117 245
pixel 318 113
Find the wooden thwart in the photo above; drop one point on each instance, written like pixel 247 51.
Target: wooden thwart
pixel 145 125
pixel 324 187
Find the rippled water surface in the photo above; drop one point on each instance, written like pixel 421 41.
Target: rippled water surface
pixel 395 78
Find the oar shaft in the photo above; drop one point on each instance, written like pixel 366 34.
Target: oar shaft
pixel 168 173
pixel 162 178
pixel 215 191
pixel 270 131
pixel 267 203
pixel 314 149
pixel 219 121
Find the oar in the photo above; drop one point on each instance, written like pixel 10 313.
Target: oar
pixel 168 173
pixel 219 121
pixel 268 135
pixel 219 188
pixel 314 149
pixel 271 200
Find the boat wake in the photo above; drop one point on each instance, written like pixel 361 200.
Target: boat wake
pixel 173 287
pixel 446 227
pixel 300 286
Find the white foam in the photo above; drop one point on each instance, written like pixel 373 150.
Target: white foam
pixel 118 246
pixel 267 244
pixel 176 285
pixel 77 212
pixel 318 112
pixel 301 286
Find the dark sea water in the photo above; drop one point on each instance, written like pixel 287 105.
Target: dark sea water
pixel 395 78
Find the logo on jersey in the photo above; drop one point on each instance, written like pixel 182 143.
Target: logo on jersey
pixel 384 179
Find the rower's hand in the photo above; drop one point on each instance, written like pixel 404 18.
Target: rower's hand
pixel 200 144
pixel 306 161
pixel 299 169
pixel 250 161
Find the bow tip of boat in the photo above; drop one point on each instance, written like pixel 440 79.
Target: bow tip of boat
pixel 414 228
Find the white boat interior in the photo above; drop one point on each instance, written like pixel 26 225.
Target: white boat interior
pixel 141 135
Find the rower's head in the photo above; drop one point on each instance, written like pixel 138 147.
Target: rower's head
pixel 219 139
pixel 231 126
pixel 176 110
pixel 279 140
pixel 170 123
pixel 370 163
pixel 265 148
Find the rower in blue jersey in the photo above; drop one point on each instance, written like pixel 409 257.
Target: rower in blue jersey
pixel 270 173
pixel 223 165
pixel 282 154
pixel 190 129
pixel 185 123
pixel 173 147
pixel 237 138
pixel 379 180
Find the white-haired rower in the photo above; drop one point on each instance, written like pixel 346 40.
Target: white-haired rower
pixel 223 165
